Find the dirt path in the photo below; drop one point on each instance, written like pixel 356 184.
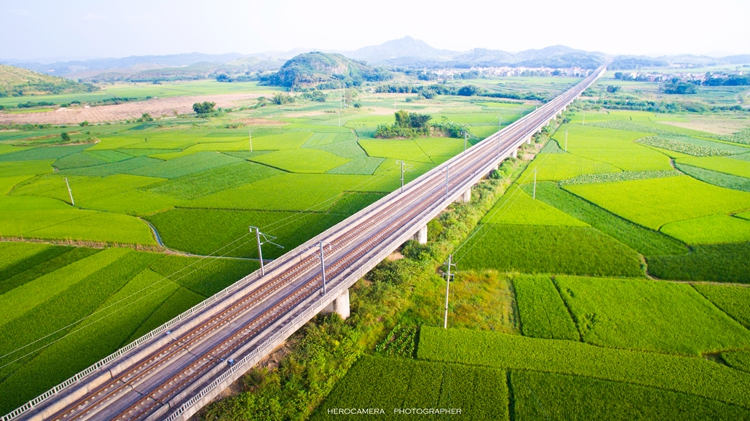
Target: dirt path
pixel 128 110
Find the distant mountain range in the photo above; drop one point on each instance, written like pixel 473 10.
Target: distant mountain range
pixel 404 52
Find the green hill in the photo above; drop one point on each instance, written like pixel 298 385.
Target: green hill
pixel 316 68
pixel 15 81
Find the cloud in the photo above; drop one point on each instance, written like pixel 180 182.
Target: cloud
pixel 92 16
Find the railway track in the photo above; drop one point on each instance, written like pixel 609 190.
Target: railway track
pixel 156 384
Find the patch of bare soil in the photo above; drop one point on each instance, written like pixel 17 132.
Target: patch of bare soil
pixel 396 255
pixel 129 110
pixel 260 122
pixel 713 125
pixel 298 114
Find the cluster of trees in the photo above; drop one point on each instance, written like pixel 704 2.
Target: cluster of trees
pixel 30 104
pixel 281 99
pixel 451 129
pixel 119 100
pixel 524 96
pixel 679 87
pixel 469 90
pixel 223 77
pixel 146 117
pixel 429 91
pixel 410 125
pixel 204 108
pixel 33 87
pixel 729 80
pixel 407 125
pixel 315 95
pixel 629 77
pixel 663 106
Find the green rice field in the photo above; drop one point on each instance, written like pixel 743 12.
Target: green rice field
pixel 607 279
pixel 86 228
pixel 628 265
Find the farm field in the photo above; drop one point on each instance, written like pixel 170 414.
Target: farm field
pixel 613 287
pixel 622 283
pixel 129 223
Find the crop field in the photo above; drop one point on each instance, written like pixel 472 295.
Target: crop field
pixel 694 376
pixel 655 202
pixel 93 302
pixel 389 383
pixel 706 262
pixel 712 229
pixel 591 336
pixel 182 184
pixel 542 311
pixel 552 314
pixel 716 178
pixel 547 249
pixel 732 300
pixel 726 165
pixel 641 239
pixel 619 313
pixel 518 208
pixel 614 147
pixel 557 396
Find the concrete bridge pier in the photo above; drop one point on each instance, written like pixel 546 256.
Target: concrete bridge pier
pixel 528 141
pixel 515 153
pixel 465 196
pixel 421 235
pixel 340 305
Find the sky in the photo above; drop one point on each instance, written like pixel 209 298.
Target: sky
pixel 114 28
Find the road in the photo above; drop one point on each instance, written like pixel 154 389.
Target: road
pixel 175 370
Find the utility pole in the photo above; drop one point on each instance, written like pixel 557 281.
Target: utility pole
pixel 323 268
pixel 70 192
pixel 250 134
pixel 341 102
pixel 447 289
pixel 402 175
pixel 534 193
pixel 260 250
pixel 566 140
pixel 266 239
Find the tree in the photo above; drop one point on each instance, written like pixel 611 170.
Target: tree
pixel 468 90
pixel 402 118
pixel 318 96
pixel 418 121
pixel 680 88
pixel 281 99
pixel 65 136
pixel 203 108
pixel 83 123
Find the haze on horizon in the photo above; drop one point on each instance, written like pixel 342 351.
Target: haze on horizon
pixel 94 29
